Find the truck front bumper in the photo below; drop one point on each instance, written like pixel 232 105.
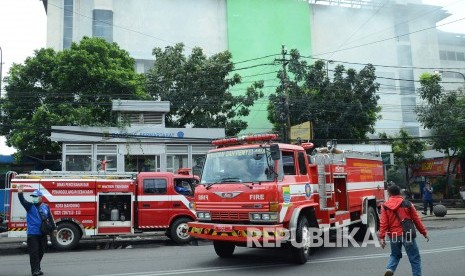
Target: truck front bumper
pixel 239 233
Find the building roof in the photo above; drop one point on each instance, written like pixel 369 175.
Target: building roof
pixel 7 159
pixel 138 106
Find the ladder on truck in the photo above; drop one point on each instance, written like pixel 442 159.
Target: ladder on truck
pixel 77 174
pixel 322 160
pixel 6 195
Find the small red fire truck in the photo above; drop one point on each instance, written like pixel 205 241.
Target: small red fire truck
pixel 108 204
pixel 251 184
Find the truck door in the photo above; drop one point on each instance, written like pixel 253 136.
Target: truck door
pixel 154 203
pixel 340 187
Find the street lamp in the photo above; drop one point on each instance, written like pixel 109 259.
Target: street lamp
pixel 442 71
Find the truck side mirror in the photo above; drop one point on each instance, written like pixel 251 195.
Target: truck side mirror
pixel 275 152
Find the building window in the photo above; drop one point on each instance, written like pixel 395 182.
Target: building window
pixel 443 55
pixel 402 32
pixel 451 55
pixel 404 55
pixel 67 23
pixel 142 163
pixel 107 157
pixel 460 56
pixel 78 157
pixel 197 163
pixel 102 24
pixel 175 162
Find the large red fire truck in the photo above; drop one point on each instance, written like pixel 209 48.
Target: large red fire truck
pixel 252 184
pixel 107 204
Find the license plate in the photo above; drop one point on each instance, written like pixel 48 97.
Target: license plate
pixel 223 228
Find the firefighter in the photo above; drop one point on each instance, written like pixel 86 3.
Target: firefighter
pixel 36 240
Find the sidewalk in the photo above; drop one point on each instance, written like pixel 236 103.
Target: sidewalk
pixel 452 213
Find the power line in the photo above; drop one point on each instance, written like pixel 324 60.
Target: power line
pixel 386 39
pixel 410 20
pixel 388 66
pixel 361 26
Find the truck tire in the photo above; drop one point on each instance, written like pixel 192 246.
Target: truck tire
pixel 224 249
pixel 300 251
pixel 179 231
pixel 372 223
pixel 68 236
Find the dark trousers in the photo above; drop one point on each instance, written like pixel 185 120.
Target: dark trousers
pixel 36 246
pixel 425 206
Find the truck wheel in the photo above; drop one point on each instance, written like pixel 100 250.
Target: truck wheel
pixel 68 236
pixel 301 250
pixel 224 249
pixel 372 225
pixel 179 231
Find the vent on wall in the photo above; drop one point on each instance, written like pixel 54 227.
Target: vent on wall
pixel 78 149
pixel 147 118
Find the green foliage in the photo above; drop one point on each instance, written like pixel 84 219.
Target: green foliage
pixel 444 114
pixel 72 87
pixel 407 152
pixel 344 107
pixel 394 175
pixel 197 87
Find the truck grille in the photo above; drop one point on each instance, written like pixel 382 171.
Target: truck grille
pixel 229 216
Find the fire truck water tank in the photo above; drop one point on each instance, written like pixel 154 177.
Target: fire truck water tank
pixel 114 214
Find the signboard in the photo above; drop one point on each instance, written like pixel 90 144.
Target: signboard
pixel 388 158
pixel 432 167
pixel 303 131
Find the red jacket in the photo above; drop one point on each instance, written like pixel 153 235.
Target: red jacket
pixel 389 224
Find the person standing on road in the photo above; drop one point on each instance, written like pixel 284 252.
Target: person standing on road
pixel 36 240
pixel 428 199
pixel 391 226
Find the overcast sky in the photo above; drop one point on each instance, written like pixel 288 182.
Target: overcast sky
pixel 23 29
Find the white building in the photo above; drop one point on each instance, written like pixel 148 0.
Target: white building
pixel 397 36
pixel 138 26
pixel 145 145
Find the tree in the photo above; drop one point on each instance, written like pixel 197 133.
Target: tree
pixel 198 86
pixel 444 114
pixel 407 150
pixel 345 107
pixel 71 87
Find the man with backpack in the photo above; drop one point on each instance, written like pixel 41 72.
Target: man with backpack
pixel 36 240
pixel 398 215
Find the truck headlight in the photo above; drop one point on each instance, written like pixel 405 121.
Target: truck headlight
pixel 203 215
pixel 256 217
pixel 264 217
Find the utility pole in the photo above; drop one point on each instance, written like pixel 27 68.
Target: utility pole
pixel 285 118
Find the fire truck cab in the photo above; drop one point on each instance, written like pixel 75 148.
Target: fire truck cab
pixel 253 188
pixel 86 204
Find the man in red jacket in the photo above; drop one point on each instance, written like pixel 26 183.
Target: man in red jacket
pixel 392 227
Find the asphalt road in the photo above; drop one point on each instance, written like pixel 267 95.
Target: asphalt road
pixel 443 255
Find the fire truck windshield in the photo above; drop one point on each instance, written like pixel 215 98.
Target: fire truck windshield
pixel 238 166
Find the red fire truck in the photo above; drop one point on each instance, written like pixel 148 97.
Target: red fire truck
pixel 109 204
pixel 253 183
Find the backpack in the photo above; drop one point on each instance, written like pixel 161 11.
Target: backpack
pixel 408 227
pixel 46 227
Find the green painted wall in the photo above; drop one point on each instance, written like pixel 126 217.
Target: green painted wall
pixel 258 28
